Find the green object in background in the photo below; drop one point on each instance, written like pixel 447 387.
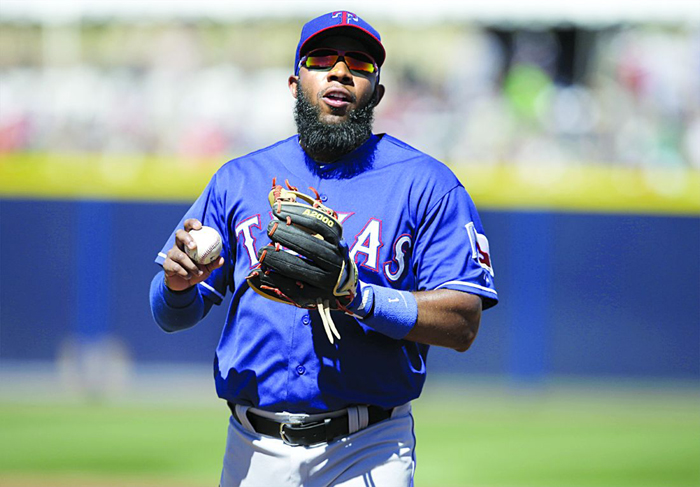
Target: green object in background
pixel 575 438
pixel 523 85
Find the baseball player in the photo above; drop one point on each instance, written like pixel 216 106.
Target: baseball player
pixel 337 291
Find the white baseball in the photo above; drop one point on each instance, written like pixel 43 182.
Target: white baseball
pixel 208 248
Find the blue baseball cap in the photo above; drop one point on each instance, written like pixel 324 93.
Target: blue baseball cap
pixel 340 23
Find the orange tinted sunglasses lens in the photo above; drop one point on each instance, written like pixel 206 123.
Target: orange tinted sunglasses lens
pixel 326 59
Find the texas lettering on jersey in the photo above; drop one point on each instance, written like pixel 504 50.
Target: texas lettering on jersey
pixel 365 249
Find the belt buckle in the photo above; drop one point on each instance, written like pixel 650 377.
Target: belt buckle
pixel 294 420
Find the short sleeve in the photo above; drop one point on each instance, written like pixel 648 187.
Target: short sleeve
pixel 452 250
pixel 209 208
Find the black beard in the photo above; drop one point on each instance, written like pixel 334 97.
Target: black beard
pixel 327 142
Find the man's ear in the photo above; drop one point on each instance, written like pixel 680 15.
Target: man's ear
pixel 293 83
pixel 378 94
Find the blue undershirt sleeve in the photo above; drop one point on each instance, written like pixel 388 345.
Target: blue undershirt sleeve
pixel 175 311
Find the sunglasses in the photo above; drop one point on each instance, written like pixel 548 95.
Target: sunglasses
pixel 357 62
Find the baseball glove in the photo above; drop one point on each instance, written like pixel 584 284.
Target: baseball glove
pixel 307 264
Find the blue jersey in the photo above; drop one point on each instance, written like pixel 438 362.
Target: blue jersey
pixel 410 225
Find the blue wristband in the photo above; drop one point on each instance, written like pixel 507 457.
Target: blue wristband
pixel 389 311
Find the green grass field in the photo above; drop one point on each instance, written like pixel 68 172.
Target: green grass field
pixel 563 438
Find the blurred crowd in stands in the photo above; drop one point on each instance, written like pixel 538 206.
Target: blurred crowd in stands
pixel 628 95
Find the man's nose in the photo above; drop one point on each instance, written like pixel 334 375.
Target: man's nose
pixel 340 72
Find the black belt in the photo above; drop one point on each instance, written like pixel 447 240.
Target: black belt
pixel 309 433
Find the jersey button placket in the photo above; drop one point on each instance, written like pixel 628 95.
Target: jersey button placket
pixel 306 319
pixel 301 369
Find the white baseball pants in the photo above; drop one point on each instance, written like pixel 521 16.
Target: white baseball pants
pixel 381 455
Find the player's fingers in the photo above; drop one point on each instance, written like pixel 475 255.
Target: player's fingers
pixel 213 265
pixel 173 269
pixel 178 258
pixel 192 224
pixel 174 278
pixel 184 239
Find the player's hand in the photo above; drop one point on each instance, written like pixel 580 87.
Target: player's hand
pixel 180 271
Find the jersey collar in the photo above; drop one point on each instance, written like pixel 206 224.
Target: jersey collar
pixel 348 165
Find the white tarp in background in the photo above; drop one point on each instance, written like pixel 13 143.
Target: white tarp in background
pixel 595 12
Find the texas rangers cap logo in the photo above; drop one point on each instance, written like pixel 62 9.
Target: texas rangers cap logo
pixel 347 17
